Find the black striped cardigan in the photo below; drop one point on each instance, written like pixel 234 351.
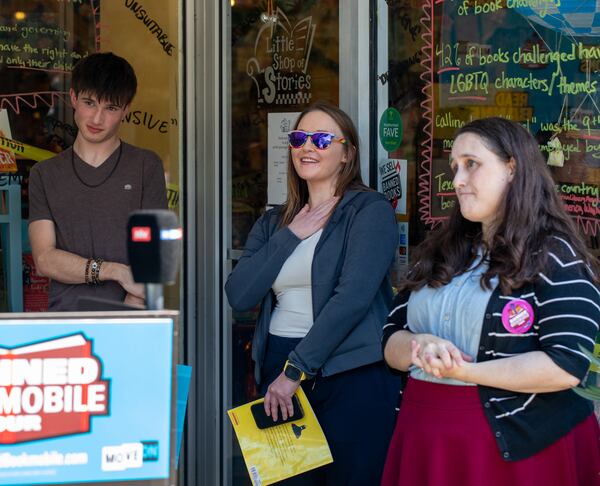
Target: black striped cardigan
pixel 566 306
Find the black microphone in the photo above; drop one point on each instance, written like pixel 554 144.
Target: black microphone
pixel 154 250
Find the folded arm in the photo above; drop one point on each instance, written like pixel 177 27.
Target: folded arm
pixel 567 314
pixel 263 257
pixel 69 268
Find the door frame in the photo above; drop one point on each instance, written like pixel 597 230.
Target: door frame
pixel 206 177
pixel 202 212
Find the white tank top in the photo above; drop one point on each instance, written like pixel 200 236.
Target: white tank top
pixel 293 313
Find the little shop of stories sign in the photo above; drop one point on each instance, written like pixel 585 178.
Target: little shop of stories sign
pixel 279 67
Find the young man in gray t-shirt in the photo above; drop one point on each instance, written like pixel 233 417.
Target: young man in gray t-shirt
pixel 80 200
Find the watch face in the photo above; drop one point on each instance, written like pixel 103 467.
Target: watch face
pixel 292 373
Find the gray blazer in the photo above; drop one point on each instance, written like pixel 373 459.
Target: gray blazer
pixel 351 289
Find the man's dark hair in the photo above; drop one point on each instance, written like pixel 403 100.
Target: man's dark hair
pixel 106 76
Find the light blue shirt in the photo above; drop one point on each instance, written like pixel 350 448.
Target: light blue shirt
pixel 454 312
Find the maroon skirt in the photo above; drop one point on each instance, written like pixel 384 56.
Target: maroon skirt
pixel 443 438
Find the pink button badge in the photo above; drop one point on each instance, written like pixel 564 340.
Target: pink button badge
pixel 517 316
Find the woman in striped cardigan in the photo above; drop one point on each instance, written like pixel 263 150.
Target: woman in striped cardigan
pixel 488 328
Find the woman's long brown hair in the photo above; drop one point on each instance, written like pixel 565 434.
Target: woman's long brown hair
pixel 531 215
pixel 349 175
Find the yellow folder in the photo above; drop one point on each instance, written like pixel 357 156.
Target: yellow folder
pixel 281 451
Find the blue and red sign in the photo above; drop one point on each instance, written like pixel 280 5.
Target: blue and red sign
pixel 50 389
pixel 87 400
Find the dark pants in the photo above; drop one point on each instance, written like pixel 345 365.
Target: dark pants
pixel 356 410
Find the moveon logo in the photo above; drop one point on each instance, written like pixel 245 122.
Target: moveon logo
pixel 50 389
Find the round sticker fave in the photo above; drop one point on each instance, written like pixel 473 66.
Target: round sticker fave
pixel 390 129
pixel 517 316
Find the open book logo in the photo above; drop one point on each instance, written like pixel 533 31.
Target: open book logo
pixel 279 67
pixel 50 389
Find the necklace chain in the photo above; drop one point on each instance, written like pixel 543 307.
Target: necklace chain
pixel 92 186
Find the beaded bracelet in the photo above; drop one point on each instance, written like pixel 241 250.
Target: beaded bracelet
pixel 95 267
pixel 87 271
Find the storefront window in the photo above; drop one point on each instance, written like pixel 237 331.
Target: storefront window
pixel 40 41
pixel 284 56
pixel 454 61
pixel 282 60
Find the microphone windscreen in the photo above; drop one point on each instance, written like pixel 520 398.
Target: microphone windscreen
pixel 154 245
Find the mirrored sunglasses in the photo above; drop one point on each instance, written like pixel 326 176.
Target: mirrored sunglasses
pixel 321 140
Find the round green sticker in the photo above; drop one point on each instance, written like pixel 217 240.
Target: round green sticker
pixel 390 129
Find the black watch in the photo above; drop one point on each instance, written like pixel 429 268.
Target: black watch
pixel 293 372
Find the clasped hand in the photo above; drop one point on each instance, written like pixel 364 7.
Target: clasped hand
pixel 438 357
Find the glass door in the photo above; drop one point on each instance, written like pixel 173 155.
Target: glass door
pixel 40 42
pixel 284 55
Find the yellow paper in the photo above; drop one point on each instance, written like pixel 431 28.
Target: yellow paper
pixel 147 34
pixel 282 451
pixel 25 151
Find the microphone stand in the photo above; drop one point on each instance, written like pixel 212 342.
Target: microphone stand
pixel 155 299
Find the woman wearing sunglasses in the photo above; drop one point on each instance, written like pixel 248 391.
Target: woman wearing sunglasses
pixel 318 266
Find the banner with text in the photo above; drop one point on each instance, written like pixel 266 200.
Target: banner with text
pixel 83 400
pixel 535 63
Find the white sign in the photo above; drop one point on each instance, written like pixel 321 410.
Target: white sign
pixel 392 182
pixel 121 457
pixel 279 125
pixel 5 125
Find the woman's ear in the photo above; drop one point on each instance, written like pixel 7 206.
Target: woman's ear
pixel 512 168
pixel 348 154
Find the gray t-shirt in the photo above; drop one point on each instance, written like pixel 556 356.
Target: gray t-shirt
pixel 92 221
